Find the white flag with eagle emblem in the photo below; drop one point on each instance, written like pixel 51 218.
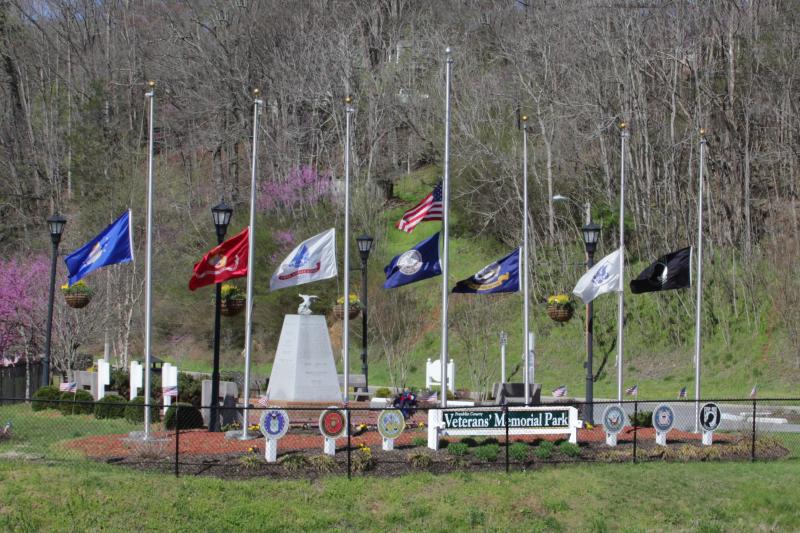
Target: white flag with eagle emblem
pixel 313 259
pixel 601 278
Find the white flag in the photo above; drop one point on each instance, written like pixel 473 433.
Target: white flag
pixel 602 278
pixel 313 259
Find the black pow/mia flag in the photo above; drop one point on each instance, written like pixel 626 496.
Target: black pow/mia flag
pixel 672 271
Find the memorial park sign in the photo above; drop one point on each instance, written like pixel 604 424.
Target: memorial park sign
pixel 519 421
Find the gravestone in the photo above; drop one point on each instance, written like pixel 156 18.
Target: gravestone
pixel 226 388
pixel 304 369
pixel 230 414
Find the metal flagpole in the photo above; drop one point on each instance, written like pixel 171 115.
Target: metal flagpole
pixel 251 239
pixel 148 270
pixel 699 282
pixel 348 110
pixel 621 294
pixel 526 345
pixel 445 217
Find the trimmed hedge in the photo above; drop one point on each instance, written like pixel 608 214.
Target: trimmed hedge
pixel 189 416
pixel 134 411
pixel 46 394
pixel 111 406
pixel 76 403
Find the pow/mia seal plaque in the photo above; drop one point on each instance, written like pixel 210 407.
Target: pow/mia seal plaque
pixel 710 417
pixel 332 423
pixel 614 420
pixel 391 423
pixel 663 421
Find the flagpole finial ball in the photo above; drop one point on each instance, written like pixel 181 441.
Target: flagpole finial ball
pixel 448 50
pixel 623 125
pixel 348 99
pixel 702 131
pixel 524 118
pixel 256 92
pixel 151 84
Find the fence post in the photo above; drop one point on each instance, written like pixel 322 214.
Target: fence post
pixel 635 428
pixel 347 412
pixel 505 409
pixel 177 436
pixel 753 443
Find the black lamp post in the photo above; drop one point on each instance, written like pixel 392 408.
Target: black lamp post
pixel 221 214
pixel 364 246
pixel 56 226
pixel 591 234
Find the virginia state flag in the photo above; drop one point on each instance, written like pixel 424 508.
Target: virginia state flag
pixel 500 276
pixel 420 262
pixel 113 245
pixel 223 262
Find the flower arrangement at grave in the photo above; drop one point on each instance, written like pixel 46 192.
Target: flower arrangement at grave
pixel 560 307
pixel 77 295
pixel 232 299
pixel 353 309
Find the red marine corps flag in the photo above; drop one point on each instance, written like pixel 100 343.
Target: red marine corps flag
pixel 226 261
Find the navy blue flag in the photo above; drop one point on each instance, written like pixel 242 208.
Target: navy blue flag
pixel 113 245
pixel 420 262
pixel 500 276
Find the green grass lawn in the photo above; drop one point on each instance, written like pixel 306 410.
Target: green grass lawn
pixel 57 492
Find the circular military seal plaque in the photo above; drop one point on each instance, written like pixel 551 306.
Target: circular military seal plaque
pixel 614 419
pixel 663 418
pixel 391 423
pixel 710 416
pixel 332 423
pixel 274 423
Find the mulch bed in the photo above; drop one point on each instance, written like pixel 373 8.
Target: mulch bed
pixel 204 453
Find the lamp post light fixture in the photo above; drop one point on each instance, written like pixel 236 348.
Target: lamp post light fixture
pixel 591 234
pixel 55 225
pixel 364 243
pixel 221 214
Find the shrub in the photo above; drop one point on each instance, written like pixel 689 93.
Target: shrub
pixel 419 441
pixel 188 416
pixel 45 395
pixel 323 464
pixel 189 389
pixel 76 403
pixel 383 392
pixel 518 451
pixel 643 419
pixel 362 460
pixel 420 459
pixel 470 441
pixel 294 462
pixel 120 382
pixel 458 448
pixel 134 412
pixel 111 406
pixel 487 452
pixel 250 460
pixel 569 449
pixel 544 450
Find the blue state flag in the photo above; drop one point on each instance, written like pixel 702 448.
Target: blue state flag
pixel 113 245
pixel 420 262
pixel 500 276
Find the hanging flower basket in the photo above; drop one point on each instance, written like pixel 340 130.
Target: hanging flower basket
pixel 352 311
pixel 78 295
pixel 232 300
pixel 560 307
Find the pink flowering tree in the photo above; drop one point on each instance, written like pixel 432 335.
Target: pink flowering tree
pixel 23 305
pixel 303 188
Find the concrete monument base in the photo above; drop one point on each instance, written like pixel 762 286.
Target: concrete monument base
pixel 304 369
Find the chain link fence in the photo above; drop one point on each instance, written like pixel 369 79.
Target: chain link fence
pixel 112 431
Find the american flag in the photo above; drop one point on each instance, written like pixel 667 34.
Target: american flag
pixel 753 392
pixel 682 393
pixel 430 208
pixel 170 392
pixel 263 401
pixel 633 391
pixel 68 387
pixel 560 392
